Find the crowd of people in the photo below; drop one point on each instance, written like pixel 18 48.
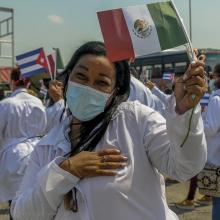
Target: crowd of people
pixel 102 149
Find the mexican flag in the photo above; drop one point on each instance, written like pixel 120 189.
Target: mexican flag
pixel 141 30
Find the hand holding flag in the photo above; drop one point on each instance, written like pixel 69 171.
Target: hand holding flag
pixel 56 90
pixel 190 87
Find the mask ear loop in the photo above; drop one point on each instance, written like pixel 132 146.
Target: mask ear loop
pixel 113 91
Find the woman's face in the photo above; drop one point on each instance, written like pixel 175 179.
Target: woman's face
pixel 96 72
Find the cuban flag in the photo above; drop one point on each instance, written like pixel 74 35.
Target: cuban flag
pixel 205 99
pixel 168 76
pixel 32 63
pixel 52 64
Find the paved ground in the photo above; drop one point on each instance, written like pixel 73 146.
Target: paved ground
pixel 4 212
pixel 175 193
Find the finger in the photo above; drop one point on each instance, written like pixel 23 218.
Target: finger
pixel 59 84
pixel 195 80
pixel 198 70
pixel 111 165
pixel 195 90
pixel 52 82
pixel 109 151
pixel 91 168
pixel 105 173
pixel 199 62
pixel 196 51
pixel 202 58
pixel 113 158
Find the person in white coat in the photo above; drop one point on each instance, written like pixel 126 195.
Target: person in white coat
pixel 22 119
pixel 139 92
pixel 211 119
pixel 55 110
pixel 70 176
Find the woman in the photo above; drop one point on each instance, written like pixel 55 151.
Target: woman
pixel 212 132
pixel 61 181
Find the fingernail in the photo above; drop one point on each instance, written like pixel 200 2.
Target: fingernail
pixel 184 77
pixel 124 158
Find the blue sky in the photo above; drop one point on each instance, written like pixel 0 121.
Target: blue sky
pixel 68 23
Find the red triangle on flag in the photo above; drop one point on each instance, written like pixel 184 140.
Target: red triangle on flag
pixel 52 63
pixel 41 60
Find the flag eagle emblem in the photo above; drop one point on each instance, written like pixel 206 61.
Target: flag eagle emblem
pixel 142 28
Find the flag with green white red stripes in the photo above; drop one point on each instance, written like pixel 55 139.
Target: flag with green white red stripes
pixel 141 30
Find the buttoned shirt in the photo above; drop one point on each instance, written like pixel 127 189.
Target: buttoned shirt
pixel 152 145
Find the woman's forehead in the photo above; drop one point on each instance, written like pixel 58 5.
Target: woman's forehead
pixel 94 59
pixel 95 63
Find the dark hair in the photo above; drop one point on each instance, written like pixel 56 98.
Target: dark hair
pixel 88 138
pixel 16 77
pixel 217 73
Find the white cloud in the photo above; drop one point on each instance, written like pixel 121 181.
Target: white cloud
pixel 55 19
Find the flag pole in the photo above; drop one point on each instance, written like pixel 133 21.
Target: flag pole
pixel 55 62
pixel 190 49
pixel 192 60
pixel 49 70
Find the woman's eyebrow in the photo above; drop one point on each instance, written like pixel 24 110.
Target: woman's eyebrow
pixel 104 75
pixel 83 67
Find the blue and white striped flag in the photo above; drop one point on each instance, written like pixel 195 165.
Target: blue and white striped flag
pixel 205 99
pixel 168 76
pixel 32 63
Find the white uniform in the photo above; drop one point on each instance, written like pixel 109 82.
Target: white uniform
pixel 211 119
pixel 139 92
pixel 136 192
pixel 54 114
pixel 161 95
pixel 22 118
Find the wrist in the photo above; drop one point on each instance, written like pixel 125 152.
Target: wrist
pixel 179 111
pixel 64 165
pixel 67 166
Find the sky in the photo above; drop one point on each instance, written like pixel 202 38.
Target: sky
pixel 66 24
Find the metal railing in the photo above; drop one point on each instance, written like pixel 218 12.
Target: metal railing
pixel 7 34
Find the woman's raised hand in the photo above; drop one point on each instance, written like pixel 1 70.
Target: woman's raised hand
pixel 190 87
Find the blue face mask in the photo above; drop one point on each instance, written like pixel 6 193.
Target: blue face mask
pixel 84 102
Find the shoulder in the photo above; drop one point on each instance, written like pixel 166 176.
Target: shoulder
pixel 137 84
pixel 138 91
pixel 6 101
pixel 57 137
pixel 28 97
pixel 137 110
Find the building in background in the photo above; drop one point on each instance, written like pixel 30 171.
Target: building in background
pixel 154 66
